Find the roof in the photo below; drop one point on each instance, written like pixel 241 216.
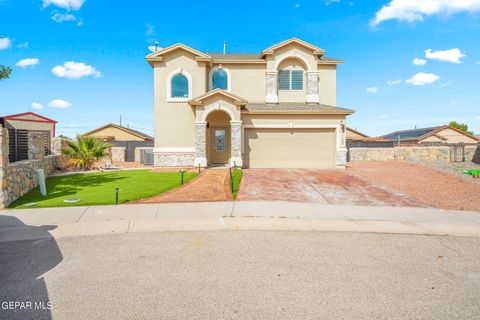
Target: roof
pixel 315 49
pixel 129 130
pixel 17 117
pixel 294 107
pixel 198 100
pixel 412 134
pixel 241 57
pixel 358 132
pixel 422 133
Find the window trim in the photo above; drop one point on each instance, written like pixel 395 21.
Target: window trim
pixel 229 77
pixel 290 73
pixel 169 86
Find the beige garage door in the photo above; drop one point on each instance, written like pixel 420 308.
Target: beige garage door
pixel 290 148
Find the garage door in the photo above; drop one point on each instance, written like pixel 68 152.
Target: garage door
pixel 290 148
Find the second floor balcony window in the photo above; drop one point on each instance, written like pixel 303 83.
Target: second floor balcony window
pixel 179 86
pixel 290 79
pixel 219 79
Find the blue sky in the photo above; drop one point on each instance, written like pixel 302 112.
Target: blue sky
pixel 107 41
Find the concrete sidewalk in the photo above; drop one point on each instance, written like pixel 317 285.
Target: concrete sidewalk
pixel 240 215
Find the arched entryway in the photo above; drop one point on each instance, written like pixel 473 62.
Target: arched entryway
pixel 218 138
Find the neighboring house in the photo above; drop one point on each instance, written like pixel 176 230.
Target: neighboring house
pixel 127 144
pixel 113 132
pixel 354 134
pixel 441 134
pixel 274 109
pixel 19 125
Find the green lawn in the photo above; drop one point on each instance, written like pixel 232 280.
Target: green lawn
pixel 99 188
pixel 237 178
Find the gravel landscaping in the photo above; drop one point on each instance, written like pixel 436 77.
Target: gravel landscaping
pixel 455 168
pixel 436 188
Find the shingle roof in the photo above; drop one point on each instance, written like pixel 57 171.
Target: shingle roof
pixel 295 107
pixel 132 131
pixel 410 134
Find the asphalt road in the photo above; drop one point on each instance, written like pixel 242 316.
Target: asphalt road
pixel 243 275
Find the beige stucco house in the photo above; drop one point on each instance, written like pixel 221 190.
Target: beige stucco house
pixel 273 109
pixel 114 132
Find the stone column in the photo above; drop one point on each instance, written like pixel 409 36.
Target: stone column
pixel 272 87
pixel 3 167
pixel 36 149
pixel 236 143
pixel 312 87
pixel 200 144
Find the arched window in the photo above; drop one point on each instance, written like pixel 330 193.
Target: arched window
pixel 179 86
pixel 219 79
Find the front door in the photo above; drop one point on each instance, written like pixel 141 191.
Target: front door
pixel 220 145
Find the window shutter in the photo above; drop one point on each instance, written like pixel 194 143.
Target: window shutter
pixel 297 80
pixel 284 79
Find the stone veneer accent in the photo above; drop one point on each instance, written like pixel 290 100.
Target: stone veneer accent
pixel 272 93
pixel 236 144
pixel 174 159
pixel 200 143
pixel 312 87
pixel 36 145
pixel 341 158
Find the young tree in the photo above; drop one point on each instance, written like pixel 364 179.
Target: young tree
pixel 5 72
pixel 85 151
pixel 460 126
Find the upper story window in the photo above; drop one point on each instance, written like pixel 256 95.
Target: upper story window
pixel 219 79
pixel 290 79
pixel 179 86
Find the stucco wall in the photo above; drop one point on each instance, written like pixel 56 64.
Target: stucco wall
pixel 116 133
pixel 118 154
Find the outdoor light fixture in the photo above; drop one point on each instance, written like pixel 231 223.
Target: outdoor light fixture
pixel 117 191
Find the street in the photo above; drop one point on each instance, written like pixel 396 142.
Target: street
pixel 243 275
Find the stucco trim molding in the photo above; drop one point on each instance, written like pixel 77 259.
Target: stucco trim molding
pixel 174 150
pixel 229 77
pixel 169 85
pixel 294 54
pixel 217 107
pixel 290 126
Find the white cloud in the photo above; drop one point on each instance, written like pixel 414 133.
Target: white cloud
pixel 394 82
pixel 419 62
pixel 5 43
pixel 80 22
pixel 328 2
pixel 27 62
pixel 59 104
pixel 417 10
pixel 297 5
pixel 390 116
pixel 421 79
pixel 452 55
pixel 477 62
pixel 372 90
pixel 23 45
pixel 75 70
pixel 65 4
pixel 36 106
pixel 62 17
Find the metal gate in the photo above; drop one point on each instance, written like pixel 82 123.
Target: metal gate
pixel 457 152
pixel 146 157
pixel 129 151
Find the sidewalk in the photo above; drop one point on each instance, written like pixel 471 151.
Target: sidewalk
pixel 239 215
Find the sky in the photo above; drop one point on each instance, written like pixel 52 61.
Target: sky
pixel 408 63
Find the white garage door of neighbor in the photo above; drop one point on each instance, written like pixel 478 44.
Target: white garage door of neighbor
pixel 290 148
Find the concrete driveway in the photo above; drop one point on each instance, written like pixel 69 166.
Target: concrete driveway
pixel 320 186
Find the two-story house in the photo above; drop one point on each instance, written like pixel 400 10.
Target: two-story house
pixel 276 109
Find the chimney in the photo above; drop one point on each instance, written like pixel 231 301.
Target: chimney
pixel 224 46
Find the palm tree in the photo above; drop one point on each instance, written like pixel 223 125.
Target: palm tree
pixel 85 151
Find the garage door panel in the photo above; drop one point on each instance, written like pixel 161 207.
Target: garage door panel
pixel 290 148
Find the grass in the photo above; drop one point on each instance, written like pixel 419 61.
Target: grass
pixel 99 188
pixel 237 178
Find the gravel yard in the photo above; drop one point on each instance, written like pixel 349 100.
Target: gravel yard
pixel 455 168
pixel 436 188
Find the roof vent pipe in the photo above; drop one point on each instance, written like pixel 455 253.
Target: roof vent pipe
pixel 224 46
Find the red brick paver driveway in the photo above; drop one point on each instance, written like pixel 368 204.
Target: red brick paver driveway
pixel 211 185
pixel 323 186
